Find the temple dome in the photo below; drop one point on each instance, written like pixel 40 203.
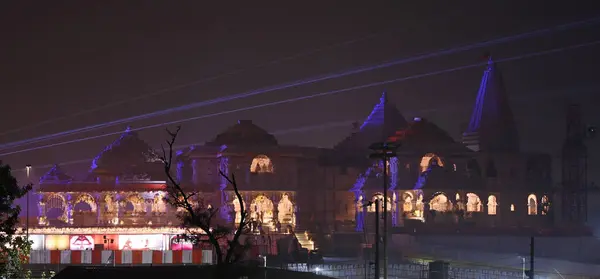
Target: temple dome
pixel 244 133
pixel 125 155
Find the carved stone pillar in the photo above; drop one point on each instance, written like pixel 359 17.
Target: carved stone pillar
pixel 69 208
pixel 395 209
pixel 97 200
pixel 359 211
pixel 41 210
pixel 275 209
pixel 117 208
pixel 224 167
pixel 195 172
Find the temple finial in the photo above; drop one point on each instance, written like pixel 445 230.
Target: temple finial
pixel 383 98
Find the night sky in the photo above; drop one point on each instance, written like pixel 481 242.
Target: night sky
pixel 59 59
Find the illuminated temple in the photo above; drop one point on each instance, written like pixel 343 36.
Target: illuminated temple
pixel 481 181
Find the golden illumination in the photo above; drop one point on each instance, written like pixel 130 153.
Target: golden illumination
pixel 408 202
pixel 492 204
pixel 261 164
pixel 512 207
pixel 107 230
pixel 57 242
pixel 440 203
pixel 532 205
pixel 379 197
pixel 429 159
pixel 474 203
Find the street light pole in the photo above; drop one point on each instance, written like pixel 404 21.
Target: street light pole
pixel 384 151
pixel 377 239
pixel 28 171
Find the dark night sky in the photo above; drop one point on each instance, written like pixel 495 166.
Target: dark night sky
pixel 58 58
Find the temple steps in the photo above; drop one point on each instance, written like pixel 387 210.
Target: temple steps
pixel 305 240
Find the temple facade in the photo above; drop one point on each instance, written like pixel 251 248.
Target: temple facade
pixel 483 180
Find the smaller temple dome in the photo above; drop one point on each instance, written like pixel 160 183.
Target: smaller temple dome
pixel 244 133
pixel 423 135
pixel 125 154
pixel 55 176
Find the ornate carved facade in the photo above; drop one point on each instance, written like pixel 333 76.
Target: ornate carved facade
pixel 484 181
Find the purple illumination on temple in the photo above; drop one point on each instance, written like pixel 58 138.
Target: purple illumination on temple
pixel 55 176
pixel 357 190
pixel 492 127
pixel 475 122
pixel 423 178
pixel 377 116
pixel 224 167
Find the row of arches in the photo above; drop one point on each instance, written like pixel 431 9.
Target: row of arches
pixel 57 206
pixel 413 204
pixel 441 203
pixel 262 210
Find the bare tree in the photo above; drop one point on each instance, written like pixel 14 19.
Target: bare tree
pixel 196 215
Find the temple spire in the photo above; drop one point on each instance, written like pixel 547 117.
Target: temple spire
pixel 383 121
pixel 492 127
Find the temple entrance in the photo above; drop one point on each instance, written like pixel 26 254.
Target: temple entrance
pixel 286 215
pixel 261 211
pixel 56 209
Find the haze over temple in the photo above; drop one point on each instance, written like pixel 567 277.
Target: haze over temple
pixel 437 185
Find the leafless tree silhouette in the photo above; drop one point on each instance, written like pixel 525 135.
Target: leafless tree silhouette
pixel 196 215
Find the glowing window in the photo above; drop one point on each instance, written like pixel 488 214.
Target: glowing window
pixel 532 205
pixel 261 164
pixel 430 159
pixel 474 203
pixel 379 197
pixel 492 204
pixel 440 203
pixel 512 207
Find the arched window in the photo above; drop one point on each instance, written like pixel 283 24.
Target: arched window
pixel 379 197
pixel 261 164
pixel 532 205
pixel 430 159
pixel 545 205
pixel 440 203
pixel 474 203
pixel 492 204
pixel 407 198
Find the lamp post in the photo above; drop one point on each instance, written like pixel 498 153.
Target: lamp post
pixel 384 151
pixel 28 171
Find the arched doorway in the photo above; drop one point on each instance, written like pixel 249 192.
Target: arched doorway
pixel 430 159
pixel 379 197
pixel 261 210
pixel 285 212
pixel 474 203
pixel 532 205
pixel 440 203
pixel 237 209
pixel 261 164
pixel 56 208
pixel 492 205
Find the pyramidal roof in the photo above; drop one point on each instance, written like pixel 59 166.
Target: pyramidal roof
pixel 55 176
pixel 125 152
pixel 492 127
pixel 384 121
pixel 423 136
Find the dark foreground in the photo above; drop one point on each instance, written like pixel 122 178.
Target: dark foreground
pixel 166 272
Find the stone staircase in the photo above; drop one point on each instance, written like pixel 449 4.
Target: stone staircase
pixel 305 240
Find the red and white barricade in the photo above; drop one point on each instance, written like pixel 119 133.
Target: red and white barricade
pixel 128 257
